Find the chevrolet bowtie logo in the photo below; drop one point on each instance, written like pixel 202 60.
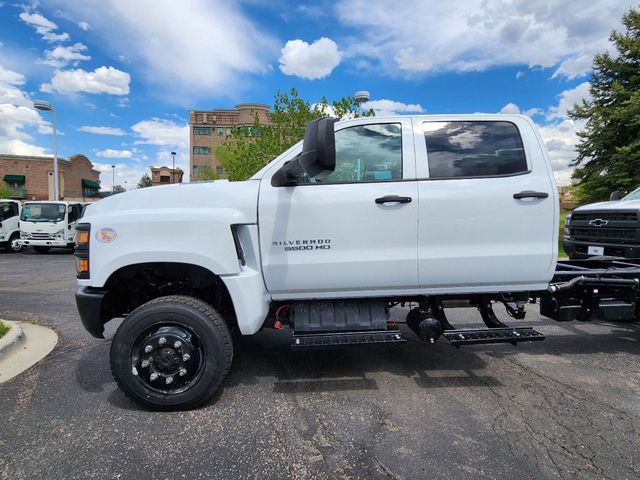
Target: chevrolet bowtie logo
pixel 598 222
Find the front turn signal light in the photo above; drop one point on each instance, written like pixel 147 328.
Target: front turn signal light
pixel 82 237
pixel 82 265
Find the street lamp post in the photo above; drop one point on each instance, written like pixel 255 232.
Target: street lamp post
pixel 361 96
pixel 113 178
pixel 48 107
pixel 173 170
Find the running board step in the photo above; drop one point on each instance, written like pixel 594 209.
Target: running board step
pixel 511 335
pixel 325 340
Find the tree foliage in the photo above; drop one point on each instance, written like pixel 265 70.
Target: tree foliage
pixel 145 181
pixel 248 149
pixel 5 192
pixel 608 153
pixel 118 189
pixel 205 173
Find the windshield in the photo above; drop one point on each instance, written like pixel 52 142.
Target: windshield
pixel 43 212
pixel 635 195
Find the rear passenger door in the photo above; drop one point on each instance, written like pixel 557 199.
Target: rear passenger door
pixel 487 206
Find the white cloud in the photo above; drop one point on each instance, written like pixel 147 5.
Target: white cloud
pixel 61 56
pixel 110 153
pixel 168 136
pixel 461 35
pixel 84 26
pixel 561 139
pixel 513 109
pixel 312 61
pixel 189 49
pixel 161 132
pixel 16 115
pixel 102 80
pixel 384 107
pixel 568 99
pixel 44 27
pixel 102 130
pixel 519 74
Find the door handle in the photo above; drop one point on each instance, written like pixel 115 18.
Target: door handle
pixel 393 199
pixel 530 194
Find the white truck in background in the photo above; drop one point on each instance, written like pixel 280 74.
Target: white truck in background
pixel 47 224
pixel 10 225
pixel 365 214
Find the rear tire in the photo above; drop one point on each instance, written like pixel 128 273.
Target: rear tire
pixel 171 353
pixel 41 249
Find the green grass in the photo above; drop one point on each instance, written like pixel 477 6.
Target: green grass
pixel 4 328
pixel 561 252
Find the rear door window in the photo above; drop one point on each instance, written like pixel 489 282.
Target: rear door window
pixel 471 149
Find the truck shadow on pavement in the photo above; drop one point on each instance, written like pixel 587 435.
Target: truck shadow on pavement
pixel 267 358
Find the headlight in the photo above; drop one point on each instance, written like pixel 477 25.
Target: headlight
pixel 567 220
pixel 59 234
pixel 567 232
pixel 24 234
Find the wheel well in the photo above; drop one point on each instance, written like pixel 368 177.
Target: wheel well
pixel 134 285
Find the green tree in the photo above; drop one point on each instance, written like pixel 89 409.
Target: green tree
pixel 118 189
pixel 608 153
pixel 205 173
pixel 145 181
pixel 5 192
pixel 248 149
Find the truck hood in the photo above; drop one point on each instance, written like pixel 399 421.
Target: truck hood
pixel 617 205
pixel 239 197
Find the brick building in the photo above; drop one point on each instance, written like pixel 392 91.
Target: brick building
pixel 165 175
pixel 209 128
pixel 31 178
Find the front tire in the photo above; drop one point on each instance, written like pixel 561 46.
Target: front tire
pixel 41 249
pixel 171 353
pixel 13 245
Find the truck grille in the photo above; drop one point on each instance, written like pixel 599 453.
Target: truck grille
pixel 619 227
pixel 41 236
pixel 611 216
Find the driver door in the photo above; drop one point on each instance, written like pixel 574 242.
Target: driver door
pixel 345 233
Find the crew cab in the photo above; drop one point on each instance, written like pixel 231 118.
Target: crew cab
pixel 46 224
pixel 9 225
pixel 607 228
pixel 363 215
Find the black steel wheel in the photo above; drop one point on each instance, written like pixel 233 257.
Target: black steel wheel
pixel 41 249
pixel 171 353
pixel 14 245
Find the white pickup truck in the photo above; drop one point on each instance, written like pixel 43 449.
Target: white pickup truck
pixel 365 214
pixel 9 225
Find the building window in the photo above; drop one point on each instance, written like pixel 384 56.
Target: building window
pixel 165 179
pixel 220 131
pixel 219 170
pixel 202 130
pixel 473 149
pixel 201 150
pixel 197 169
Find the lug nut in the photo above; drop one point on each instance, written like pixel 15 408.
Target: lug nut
pixel 144 364
pixel 186 357
pixel 162 341
pixel 148 349
pixel 169 380
pixel 153 377
pixel 178 344
pixel 182 372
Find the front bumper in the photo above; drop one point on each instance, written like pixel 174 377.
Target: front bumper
pixel 44 243
pixel 89 303
pixel 577 249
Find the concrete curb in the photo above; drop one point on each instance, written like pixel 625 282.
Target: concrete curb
pixel 13 339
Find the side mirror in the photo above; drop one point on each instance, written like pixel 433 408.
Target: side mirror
pixel 318 156
pixel 615 196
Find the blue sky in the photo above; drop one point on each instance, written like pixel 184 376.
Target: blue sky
pixel 122 74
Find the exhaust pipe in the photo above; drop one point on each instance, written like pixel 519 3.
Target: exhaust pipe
pixel 427 328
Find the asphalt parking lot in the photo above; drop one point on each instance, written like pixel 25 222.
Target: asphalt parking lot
pixel 568 407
